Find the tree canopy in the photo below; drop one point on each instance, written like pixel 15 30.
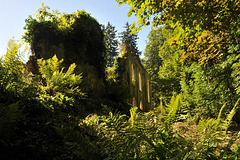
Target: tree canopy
pixel 111 41
pixel 129 40
pixel 49 116
pixel 210 26
pixel 203 45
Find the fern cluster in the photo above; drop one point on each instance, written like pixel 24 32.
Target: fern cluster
pixel 45 117
pixel 154 135
pixel 57 86
pixel 32 107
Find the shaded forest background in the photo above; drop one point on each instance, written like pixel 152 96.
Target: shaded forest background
pixel 192 55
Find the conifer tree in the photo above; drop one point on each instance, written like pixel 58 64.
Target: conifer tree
pixel 111 43
pixel 129 40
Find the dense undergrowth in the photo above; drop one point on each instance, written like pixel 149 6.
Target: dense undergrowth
pixel 48 117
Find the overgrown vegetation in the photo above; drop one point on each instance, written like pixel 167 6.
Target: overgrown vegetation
pixel 51 123
pixel 195 70
pixel 198 43
pixel 77 36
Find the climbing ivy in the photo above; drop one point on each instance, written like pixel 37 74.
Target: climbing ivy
pixel 79 33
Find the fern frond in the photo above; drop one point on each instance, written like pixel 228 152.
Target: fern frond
pixel 55 63
pixel 227 122
pixel 173 107
pixel 220 112
pixel 70 69
pixel 133 115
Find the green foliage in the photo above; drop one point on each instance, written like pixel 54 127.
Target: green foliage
pixel 162 63
pixel 210 140
pixel 111 43
pixel 81 146
pixel 55 77
pixel 171 69
pixel 142 136
pixel 48 125
pixel 173 107
pixel 111 75
pixel 57 29
pixel 229 117
pixel 59 87
pixel 9 116
pixel 11 69
pixel 41 117
pixel 133 115
pixel 212 15
pixel 152 62
pixel 154 135
pixel 129 40
pixel 28 119
pixel 23 126
pixel 117 94
pixel 204 87
pixel 14 85
pixel 205 40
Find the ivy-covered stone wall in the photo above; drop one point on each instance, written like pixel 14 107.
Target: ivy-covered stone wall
pixel 76 38
pixel 133 76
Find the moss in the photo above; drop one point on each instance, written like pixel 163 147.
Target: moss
pixel 75 37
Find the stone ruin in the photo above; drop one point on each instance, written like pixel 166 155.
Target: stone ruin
pixel 138 82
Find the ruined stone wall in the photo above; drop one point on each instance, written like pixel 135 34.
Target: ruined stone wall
pixel 137 80
pixel 76 38
pixel 93 83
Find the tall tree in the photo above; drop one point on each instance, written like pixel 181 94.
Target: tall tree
pixel 111 43
pixel 208 40
pixel 171 68
pixel 129 40
pixel 152 61
pixel 210 27
pixel 162 63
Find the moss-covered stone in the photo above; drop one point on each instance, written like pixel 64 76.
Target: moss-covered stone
pixel 76 38
pixel 133 76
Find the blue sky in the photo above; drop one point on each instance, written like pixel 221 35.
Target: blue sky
pixel 14 12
